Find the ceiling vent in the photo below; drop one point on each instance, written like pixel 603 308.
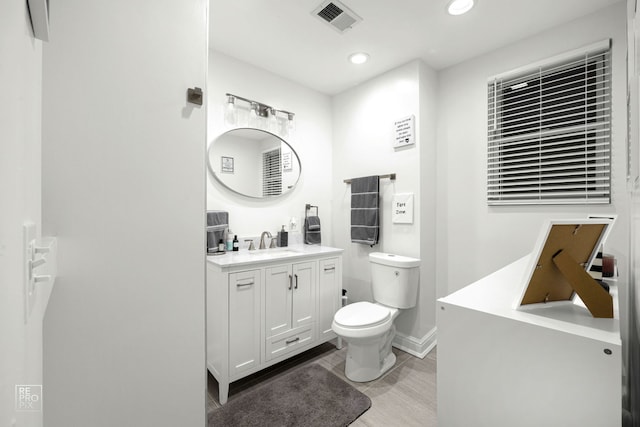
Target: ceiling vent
pixel 337 15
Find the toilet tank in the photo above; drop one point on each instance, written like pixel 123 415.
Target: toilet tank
pixel 394 279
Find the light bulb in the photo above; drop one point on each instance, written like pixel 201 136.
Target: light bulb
pixel 291 124
pixel 272 121
pixel 230 116
pixel 458 7
pixel 358 58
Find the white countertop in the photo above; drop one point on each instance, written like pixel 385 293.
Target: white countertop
pixel 497 294
pixel 245 257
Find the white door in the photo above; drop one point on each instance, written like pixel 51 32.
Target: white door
pixel 123 185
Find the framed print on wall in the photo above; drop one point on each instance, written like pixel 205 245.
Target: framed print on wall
pixel 226 165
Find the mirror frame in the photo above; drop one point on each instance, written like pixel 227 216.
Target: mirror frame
pixel 219 180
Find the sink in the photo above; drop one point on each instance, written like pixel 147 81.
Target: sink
pixel 273 253
pixel 246 257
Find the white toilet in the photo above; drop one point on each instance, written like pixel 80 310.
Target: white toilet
pixel 368 327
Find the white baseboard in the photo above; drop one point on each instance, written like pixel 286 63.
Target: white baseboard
pixel 418 347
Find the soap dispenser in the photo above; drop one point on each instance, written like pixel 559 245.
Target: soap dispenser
pixel 236 243
pixel 283 238
pixel 229 242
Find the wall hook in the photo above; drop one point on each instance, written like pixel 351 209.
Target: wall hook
pixel 194 95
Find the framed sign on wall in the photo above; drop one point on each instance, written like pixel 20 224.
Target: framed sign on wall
pixel 226 164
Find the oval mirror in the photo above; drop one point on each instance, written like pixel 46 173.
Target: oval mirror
pixel 254 163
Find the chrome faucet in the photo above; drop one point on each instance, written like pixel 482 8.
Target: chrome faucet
pixel 264 233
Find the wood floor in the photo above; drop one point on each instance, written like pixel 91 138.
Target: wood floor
pixel 404 396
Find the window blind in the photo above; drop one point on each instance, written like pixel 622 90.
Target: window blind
pixel 549 131
pixel 271 173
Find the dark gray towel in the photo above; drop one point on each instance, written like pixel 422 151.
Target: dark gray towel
pixel 312 230
pixel 365 210
pixel 217 223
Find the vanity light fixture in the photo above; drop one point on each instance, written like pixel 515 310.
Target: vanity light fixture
pixel 260 114
pixel 358 58
pixel 459 7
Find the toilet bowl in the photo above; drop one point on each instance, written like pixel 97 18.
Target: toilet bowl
pixel 368 328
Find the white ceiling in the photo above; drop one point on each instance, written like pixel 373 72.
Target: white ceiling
pixel 282 36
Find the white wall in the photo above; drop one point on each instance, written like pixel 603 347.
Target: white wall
pixel 20 125
pixel 123 177
pixel 363 137
pixel 311 140
pixel 473 238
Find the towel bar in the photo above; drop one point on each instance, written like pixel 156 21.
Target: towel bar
pixel 391 176
pixel 308 207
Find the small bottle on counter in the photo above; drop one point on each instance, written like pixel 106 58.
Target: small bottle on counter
pixel 229 241
pixel 221 245
pixel 283 238
pixel 236 244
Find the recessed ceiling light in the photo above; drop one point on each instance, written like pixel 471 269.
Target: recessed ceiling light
pixel 458 7
pixel 358 58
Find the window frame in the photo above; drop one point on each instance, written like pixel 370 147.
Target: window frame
pixel 272 172
pixel 534 151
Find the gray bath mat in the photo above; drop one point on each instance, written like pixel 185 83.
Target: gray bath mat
pixel 307 396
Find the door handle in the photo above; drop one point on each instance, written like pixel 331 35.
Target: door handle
pixel 292 341
pixel 296 287
pixel 329 268
pixel 290 281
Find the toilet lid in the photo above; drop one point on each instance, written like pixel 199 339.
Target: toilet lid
pixel 361 314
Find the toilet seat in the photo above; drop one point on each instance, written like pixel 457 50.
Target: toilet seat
pixel 362 320
pixel 361 315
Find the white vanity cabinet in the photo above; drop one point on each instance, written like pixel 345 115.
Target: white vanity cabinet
pixel 266 306
pixel 289 307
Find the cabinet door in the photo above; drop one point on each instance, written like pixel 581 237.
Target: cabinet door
pixel 329 295
pixel 244 321
pixel 277 299
pixel 304 293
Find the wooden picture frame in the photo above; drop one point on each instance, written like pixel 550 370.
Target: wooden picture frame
pixel 558 266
